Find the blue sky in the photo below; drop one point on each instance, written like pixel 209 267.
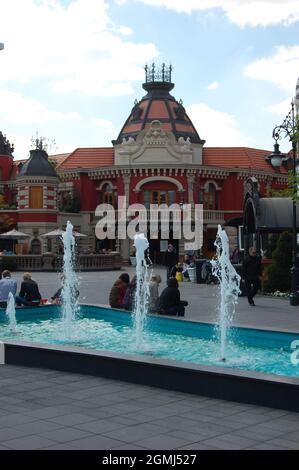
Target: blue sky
pixel 71 70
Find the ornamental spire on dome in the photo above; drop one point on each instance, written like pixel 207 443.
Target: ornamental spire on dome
pixel 158 74
pixel 158 77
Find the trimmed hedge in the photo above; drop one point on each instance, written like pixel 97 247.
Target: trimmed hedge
pixel 279 273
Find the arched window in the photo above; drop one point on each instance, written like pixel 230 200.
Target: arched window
pixel 106 194
pixel 211 197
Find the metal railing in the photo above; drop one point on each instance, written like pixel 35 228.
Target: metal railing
pixel 52 262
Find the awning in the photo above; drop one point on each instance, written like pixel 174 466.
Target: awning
pixel 234 222
pixel 275 214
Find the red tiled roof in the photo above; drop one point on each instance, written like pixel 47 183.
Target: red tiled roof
pixel 88 158
pixel 239 157
pixel 59 158
pixel 158 110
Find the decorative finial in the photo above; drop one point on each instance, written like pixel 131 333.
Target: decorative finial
pixel 158 74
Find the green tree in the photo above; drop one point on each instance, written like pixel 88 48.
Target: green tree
pixel 279 273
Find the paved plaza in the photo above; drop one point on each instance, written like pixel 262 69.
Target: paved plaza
pixel 45 409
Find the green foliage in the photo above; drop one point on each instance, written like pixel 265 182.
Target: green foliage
pixel 272 244
pixel 279 273
pixel 71 203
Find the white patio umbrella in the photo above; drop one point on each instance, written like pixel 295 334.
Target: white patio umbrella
pixel 14 235
pixel 58 234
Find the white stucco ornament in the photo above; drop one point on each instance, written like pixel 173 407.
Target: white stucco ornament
pixel 184 145
pixel 156 135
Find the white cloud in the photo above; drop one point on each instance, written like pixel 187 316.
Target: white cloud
pixel 18 109
pixel 73 48
pixel 282 68
pixel 106 127
pixel 241 12
pixel 219 129
pixel 213 86
pixel 280 108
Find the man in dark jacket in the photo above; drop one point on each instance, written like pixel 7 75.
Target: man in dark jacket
pixel 170 259
pixel 29 294
pixel 170 302
pixel 252 271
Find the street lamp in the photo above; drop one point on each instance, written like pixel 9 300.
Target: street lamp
pixel 288 129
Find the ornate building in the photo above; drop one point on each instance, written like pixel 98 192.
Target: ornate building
pixel 158 157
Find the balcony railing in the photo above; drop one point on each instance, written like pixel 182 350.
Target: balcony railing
pixel 213 216
pixel 52 262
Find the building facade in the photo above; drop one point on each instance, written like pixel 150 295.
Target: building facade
pixel 158 157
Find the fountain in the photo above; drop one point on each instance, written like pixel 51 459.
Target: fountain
pixel 70 305
pixel 142 287
pixel 11 313
pixel 169 353
pixel 229 287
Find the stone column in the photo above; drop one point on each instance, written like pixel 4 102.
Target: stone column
pixel 190 180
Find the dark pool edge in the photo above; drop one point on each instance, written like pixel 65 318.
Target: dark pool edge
pixel 211 381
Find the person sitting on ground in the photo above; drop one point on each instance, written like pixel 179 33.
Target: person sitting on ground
pixel 154 292
pixel 170 302
pixel 57 297
pixel 129 298
pixel 29 293
pixel 7 285
pixel 118 291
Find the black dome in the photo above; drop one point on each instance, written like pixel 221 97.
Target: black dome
pixel 38 165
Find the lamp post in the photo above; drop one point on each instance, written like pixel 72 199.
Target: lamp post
pixel 288 129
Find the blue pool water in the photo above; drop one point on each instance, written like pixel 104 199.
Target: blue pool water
pixel 106 329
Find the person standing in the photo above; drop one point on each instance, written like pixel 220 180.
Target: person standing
pixel 252 272
pixel 7 285
pixel 170 259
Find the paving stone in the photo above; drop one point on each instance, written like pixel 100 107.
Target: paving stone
pixel 95 443
pixel 38 427
pixel 133 433
pixel 14 419
pixel 100 426
pixel 71 419
pixel 64 435
pixel 233 443
pixel 162 442
pixel 285 443
pixel 28 443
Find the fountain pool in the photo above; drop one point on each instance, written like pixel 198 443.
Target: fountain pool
pixel 176 354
